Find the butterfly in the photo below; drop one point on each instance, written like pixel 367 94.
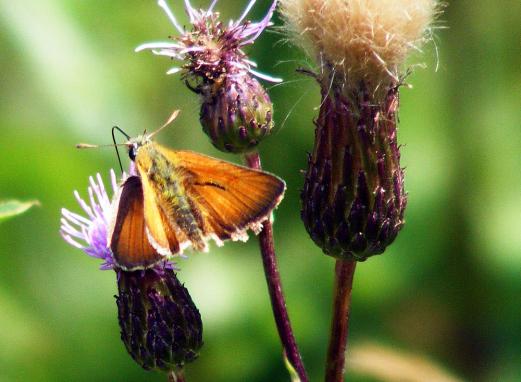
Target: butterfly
pixel 181 199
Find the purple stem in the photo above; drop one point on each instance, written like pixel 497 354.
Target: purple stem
pixel 278 303
pixel 344 272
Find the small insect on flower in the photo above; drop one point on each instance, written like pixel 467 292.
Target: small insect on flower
pixel 160 325
pixel 182 199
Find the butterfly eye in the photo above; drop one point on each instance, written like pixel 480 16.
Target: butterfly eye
pixel 132 152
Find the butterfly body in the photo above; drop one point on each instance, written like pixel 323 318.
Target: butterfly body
pixel 167 179
pixel 182 199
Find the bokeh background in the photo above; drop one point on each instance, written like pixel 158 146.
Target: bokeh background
pixel 445 296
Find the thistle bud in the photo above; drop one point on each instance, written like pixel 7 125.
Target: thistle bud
pixel 353 200
pixel 160 325
pixel 236 115
pixel 236 111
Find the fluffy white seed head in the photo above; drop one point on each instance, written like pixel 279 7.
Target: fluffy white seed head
pixel 361 39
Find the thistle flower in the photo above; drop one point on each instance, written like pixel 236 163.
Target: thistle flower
pixel 236 112
pixel 353 200
pixel 89 233
pixel 160 325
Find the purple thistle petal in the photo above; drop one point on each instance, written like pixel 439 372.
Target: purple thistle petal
pixel 102 195
pixel 71 241
pixel 71 233
pixel 83 205
pixel 75 218
pixel 245 13
pixel 164 5
pixel 190 11
pixel 251 63
pixel 95 207
pixel 208 34
pixel 158 45
pixel 169 53
pixel 265 76
pixel 114 181
pixel 210 9
pixel 106 266
pixel 263 24
pixel 90 233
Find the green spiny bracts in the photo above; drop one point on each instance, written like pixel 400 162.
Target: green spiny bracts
pixel 353 199
pixel 236 114
pixel 160 325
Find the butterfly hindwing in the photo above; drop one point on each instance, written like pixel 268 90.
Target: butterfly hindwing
pixel 161 234
pixel 129 241
pixel 163 231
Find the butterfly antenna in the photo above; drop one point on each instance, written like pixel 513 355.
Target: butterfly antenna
pixel 116 145
pixel 173 116
pixel 86 146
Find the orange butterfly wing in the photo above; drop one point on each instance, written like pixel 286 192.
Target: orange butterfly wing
pixel 129 242
pixel 226 198
pixel 161 235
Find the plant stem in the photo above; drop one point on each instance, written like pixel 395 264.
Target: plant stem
pixel 344 272
pixel 278 303
pixel 176 376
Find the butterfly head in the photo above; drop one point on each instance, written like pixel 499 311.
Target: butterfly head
pixel 134 144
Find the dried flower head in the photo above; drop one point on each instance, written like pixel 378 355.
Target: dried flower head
pixel 236 111
pixel 361 39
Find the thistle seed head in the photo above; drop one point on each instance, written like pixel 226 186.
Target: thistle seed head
pixel 359 40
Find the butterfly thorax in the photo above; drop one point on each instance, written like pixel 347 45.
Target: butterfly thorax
pixel 167 180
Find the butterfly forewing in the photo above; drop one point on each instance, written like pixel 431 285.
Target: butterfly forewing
pixel 129 242
pixel 229 199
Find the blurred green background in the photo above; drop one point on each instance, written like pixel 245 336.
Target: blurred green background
pixel 447 291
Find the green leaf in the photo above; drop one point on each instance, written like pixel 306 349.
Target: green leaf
pixel 11 208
